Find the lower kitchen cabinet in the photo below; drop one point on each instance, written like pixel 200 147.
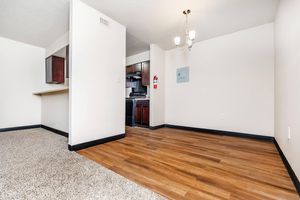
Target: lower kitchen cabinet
pixel 141 114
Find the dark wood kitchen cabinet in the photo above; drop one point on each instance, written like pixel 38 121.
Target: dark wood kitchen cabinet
pixel 146 73
pixel 138 114
pixel 134 68
pixel 142 112
pixel 145 115
pixel 129 69
pixel 144 68
pixel 55 70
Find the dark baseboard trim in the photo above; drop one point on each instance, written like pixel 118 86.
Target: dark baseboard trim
pixel 95 142
pixel 59 132
pixel 35 126
pixel 220 132
pixel 20 128
pixel 156 127
pixel 288 167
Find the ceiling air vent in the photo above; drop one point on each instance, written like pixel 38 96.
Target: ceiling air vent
pixel 104 21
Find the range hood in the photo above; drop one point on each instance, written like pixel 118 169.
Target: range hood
pixel 136 75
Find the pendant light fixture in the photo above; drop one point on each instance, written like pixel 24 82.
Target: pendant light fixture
pixel 190 35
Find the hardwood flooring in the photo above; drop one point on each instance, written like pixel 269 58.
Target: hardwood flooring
pixel 187 165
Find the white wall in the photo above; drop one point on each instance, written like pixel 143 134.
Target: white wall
pixel 157 96
pixel 97 75
pixel 58 44
pixel 55 107
pixel 141 57
pixel 287 80
pixel 22 73
pixel 231 83
pixel 55 111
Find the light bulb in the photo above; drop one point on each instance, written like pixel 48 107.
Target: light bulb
pixel 177 41
pixel 192 34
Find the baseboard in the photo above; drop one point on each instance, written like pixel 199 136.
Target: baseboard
pixel 35 126
pixel 221 132
pixel 20 128
pixel 95 142
pixel 59 132
pixel 288 167
pixel 156 127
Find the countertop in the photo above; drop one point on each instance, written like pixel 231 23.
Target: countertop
pixel 51 91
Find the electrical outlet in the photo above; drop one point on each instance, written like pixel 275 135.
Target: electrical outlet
pixel 289 133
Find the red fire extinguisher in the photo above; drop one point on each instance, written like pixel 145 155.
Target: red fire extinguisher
pixel 155 79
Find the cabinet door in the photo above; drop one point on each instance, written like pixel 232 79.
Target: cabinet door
pixel 138 114
pixel 137 67
pixel 146 73
pixel 145 114
pixel 58 69
pixel 130 69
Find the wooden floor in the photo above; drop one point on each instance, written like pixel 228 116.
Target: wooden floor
pixel 187 165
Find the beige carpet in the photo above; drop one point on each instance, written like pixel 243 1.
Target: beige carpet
pixel 35 164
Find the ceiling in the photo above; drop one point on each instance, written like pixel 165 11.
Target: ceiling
pixel 158 21
pixel 148 21
pixel 36 22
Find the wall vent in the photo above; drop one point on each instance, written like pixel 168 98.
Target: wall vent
pixel 104 21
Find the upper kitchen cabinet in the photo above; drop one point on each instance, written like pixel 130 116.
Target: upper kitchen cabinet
pixel 142 70
pixel 134 68
pixel 146 73
pixel 55 70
